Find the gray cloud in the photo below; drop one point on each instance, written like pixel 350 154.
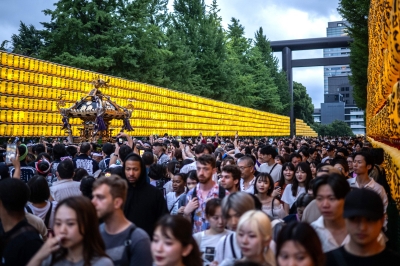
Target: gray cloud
pixel 315 7
pixel 29 12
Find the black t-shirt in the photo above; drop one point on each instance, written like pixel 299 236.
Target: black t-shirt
pixel 20 244
pixel 340 257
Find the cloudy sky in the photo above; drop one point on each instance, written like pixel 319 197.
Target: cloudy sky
pixel 280 19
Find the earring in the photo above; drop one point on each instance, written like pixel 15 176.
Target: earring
pixel 266 249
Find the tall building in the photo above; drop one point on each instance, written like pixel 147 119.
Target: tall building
pixel 335 29
pixel 339 103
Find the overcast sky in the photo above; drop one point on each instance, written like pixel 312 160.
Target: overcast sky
pixel 280 19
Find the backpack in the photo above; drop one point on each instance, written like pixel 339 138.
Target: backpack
pixel 221 195
pixel 46 218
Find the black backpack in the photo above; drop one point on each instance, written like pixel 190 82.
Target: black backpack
pixel 221 195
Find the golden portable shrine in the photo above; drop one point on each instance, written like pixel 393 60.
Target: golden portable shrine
pixel 96 111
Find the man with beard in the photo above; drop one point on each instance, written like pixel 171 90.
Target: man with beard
pixel 206 189
pixel 125 244
pixel 145 203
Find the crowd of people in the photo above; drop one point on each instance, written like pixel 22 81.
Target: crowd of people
pixel 173 201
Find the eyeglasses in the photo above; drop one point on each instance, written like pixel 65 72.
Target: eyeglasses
pixel 244 167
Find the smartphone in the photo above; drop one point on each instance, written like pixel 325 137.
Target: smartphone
pixel 179 139
pixel 141 152
pixel 11 152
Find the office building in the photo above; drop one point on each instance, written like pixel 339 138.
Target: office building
pixel 339 103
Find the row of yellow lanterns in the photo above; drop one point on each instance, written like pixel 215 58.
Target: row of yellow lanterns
pixel 41 130
pixel 30 130
pixel 48 105
pixel 13 116
pixel 27 104
pixel 17 61
pixel 21 89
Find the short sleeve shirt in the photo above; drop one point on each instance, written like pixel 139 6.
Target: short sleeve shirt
pixel 199 219
pixel 288 197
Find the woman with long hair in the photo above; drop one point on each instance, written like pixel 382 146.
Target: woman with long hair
pixel 313 167
pixel 299 186
pixel 76 237
pixel 263 189
pixel 173 243
pixel 287 175
pixel 298 244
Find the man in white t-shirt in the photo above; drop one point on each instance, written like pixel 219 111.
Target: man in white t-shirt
pixel 65 187
pixel 269 166
pixel 362 165
pixel 246 166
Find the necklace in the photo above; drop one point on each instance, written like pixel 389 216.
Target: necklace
pixel 70 258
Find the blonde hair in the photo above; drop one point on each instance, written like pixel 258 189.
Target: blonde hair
pixel 260 224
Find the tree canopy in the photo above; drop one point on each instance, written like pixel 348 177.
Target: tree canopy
pixel 356 13
pixel 336 128
pixel 186 50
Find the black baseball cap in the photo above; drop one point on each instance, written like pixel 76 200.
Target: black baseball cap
pixel 363 202
pixel 330 148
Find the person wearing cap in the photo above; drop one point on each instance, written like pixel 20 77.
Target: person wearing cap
pixel 159 150
pixel 364 219
pixel 330 150
pixel 97 157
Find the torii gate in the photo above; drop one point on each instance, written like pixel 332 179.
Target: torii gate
pixel 286 47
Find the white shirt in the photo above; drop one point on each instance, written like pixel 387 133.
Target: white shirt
pixel 250 188
pixel 173 202
pixel 373 186
pixel 189 167
pixel 65 188
pixel 287 196
pixel 207 245
pixel 327 240
pixel 42 212
pixel 275 173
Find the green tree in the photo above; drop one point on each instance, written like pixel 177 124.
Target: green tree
pixel 303 107
pixel 267 97
pixel 356 13
pixel 28 42
pixel 241 88
pixel 336 128
pixel 117 37
pixel 279 76
pixel 197 43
